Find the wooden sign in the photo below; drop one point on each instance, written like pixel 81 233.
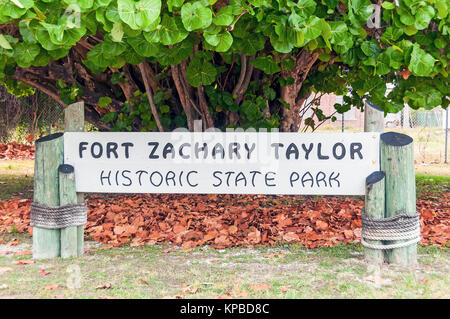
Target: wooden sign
pixel 222 163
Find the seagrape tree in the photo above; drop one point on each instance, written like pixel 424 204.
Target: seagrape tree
pixel 158 64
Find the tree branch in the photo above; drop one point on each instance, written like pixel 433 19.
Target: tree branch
pixel 144 74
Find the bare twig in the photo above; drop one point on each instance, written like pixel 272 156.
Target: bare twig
pixel 144 75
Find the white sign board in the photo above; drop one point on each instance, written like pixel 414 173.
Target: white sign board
pixel 222 163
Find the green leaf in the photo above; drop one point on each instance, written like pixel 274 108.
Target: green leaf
pixel 313 28
pixel 423 17
pixel 142 47
pixel 104 101
pixel 200 70
pixel 195 16
pixel 25 53
pixel 388 5
pixel 250 46
pixel 171 30
pixel 85 4
pixel 339 32
pixel 174 4
pixel 222 41
pixel 4 43
pixel 363 9
pixel 266 64
pixel 371 48
pixel 421 63
pixel 139 14
pixel 117 32
pixel 224 17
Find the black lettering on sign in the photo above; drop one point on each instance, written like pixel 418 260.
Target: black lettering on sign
pixel 228 177
pixel 181 150
pixel 292 149
pixel 267 179
pixel 160 178
pixel 234 149
pixel 215 173
pixel 240 177
pixel 341 152
pixel 152 152
pixel 218 148
pixel 253 176
pixel 111 147
pixel 189 181
pixel 293 178
pixel 82 147
pixel 355 148
pixel 99 150
pixel 105 177
pixel 307 150
pixel 140 174
pixel 249 150
pixel 170 176
pixel 309 178
pixel 320 177
pixel 127 148
pixel 331 178
pixel 179 178
pixel 198 149
pixel 277 146
pixel 319 152
pixel 127 177
pixel 168 149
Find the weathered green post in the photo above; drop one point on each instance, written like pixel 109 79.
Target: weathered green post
pixel 48 157
pixel 397 161
pixel 67 196
pixel 373 118
pixel 374 199
pixel 74 122
pixel 374 208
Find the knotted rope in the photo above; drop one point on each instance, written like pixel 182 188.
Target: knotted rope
pixel 58 217
pixel 400 227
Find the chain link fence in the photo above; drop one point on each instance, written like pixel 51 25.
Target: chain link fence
pixel 34 115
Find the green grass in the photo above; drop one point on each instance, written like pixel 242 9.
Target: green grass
pixel 148 272
pixel 430 184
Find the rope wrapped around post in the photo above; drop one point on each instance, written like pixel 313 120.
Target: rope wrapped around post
pixel 400 227
pixel 48 217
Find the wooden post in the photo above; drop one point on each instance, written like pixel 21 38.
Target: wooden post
pixel 68 195
pixel 374 208
pixel 397 161
pixel 49 155
pixel 373 118
pixel 74 122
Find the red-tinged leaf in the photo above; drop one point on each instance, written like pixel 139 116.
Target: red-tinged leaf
pixel 284 288
pixel 144 282
pixel 321 225
pixel 105 286
pixel 243 294
pixel 348 233
pixel 50 287
pixel 259 287
pixel 23 253
pixel 14 242
pixel 24 262
pixel 43 272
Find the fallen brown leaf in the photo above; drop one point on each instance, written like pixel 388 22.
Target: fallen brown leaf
pixel 105 286
pixel 50 287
